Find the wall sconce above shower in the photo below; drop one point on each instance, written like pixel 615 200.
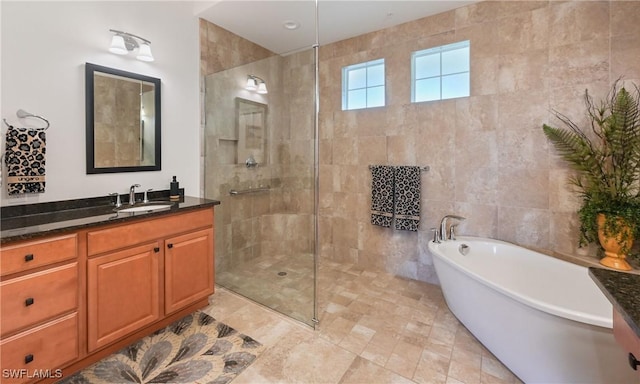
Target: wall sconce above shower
pixel 254 83
pixel 124 42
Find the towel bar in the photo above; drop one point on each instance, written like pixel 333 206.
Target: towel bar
pixel 234 192
pixel 426 168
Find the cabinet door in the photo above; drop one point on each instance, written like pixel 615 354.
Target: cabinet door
pixel 123 293
pixel 188 269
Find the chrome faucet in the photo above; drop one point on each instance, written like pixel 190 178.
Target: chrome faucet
pixel 132 194
pixel 443 226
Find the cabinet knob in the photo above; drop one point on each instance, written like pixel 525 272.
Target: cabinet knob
pixel 28 358
pixel 156 249
pixel 633 362
pixel 169 245
pixel 28 257
pixel 28 301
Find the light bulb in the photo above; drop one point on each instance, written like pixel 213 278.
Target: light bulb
pixel 251 84
pixel 144 53
pixel 117 45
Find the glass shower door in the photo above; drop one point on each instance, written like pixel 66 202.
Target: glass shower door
pixel 260 163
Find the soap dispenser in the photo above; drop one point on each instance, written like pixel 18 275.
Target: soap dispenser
pixel 174 189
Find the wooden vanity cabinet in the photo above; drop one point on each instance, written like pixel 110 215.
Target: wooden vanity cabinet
pixel 626 337
pixel 71 300
pixel 39 291
pixel 140 272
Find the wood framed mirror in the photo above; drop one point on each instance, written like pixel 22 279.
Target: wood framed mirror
pixel 123 121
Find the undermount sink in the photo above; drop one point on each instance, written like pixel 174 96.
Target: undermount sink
pixel 145 208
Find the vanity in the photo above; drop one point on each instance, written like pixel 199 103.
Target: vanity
pixel 623 291
pixel 81 279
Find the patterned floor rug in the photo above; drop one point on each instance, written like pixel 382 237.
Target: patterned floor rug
pixel 195 349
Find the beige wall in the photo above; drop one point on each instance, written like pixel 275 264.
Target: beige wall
pixel 278 222
pixel 489 159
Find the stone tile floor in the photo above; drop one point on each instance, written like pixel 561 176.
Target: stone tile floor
pixel 374 328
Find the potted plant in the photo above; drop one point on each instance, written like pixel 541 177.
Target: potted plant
pixel 606 158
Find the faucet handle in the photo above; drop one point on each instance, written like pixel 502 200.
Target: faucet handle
pixel 146 198
pixel 452 231
pixel 436 235
pixel 117 195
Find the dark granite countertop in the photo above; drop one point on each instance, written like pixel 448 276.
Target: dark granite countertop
pixel 29 221
pixel 623 290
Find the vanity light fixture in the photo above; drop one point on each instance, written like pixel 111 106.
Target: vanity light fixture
pixel 124 42
pixel 254 83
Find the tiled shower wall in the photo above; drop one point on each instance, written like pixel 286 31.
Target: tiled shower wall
pixel 279 222
pixel 489 160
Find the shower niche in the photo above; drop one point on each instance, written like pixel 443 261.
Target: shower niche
pixel 246 143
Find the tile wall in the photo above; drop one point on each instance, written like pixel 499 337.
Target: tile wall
pixel 488 158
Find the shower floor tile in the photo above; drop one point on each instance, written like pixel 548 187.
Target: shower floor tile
pixel 374 327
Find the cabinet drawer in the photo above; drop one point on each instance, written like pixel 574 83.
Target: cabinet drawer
pixel 130 234
pixel 25 256
pixel 46 347
pixel 33 298
pixel 624 335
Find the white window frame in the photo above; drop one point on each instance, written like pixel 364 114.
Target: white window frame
pixel 346 88
pixel 438 51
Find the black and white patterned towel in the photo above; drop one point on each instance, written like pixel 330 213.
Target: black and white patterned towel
pixel 382 195
pixel 407 198
pixel 25 158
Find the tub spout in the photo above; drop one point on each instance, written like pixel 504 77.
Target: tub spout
pixel 443 225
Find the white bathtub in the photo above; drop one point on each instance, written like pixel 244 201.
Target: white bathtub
pixel 544 318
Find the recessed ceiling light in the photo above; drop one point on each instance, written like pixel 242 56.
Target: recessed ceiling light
pixel 291 25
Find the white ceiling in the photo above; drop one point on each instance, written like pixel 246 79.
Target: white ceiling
pixel 261 21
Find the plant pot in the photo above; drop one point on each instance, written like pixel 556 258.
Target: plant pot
pixel 614 245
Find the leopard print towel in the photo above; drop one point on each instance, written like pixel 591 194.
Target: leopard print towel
pixel 25 158
pixel 382 195
pixel 407 198
pixel 395 196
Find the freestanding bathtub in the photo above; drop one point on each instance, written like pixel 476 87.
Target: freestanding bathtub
pixel 544 318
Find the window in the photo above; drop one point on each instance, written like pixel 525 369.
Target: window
pixel 440 73
pixel 363 85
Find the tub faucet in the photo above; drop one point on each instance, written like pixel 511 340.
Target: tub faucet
pixel 443 225
pixel 132 194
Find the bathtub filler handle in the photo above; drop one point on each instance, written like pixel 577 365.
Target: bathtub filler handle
pixel 436 235
pixel 443 225
pixel 452 231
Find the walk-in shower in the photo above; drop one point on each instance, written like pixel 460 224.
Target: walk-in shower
pixel 261 155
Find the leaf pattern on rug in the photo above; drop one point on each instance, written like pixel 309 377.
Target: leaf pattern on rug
pixel 116 371
pixel 219 348
pixel 196 348
pixel 237 361
pixel 225 330
pixel 249 342
pixel 131 351
pixel 189 347
pixel 154 356
pixel 204 319
pixel 179 326
pixel 186 372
